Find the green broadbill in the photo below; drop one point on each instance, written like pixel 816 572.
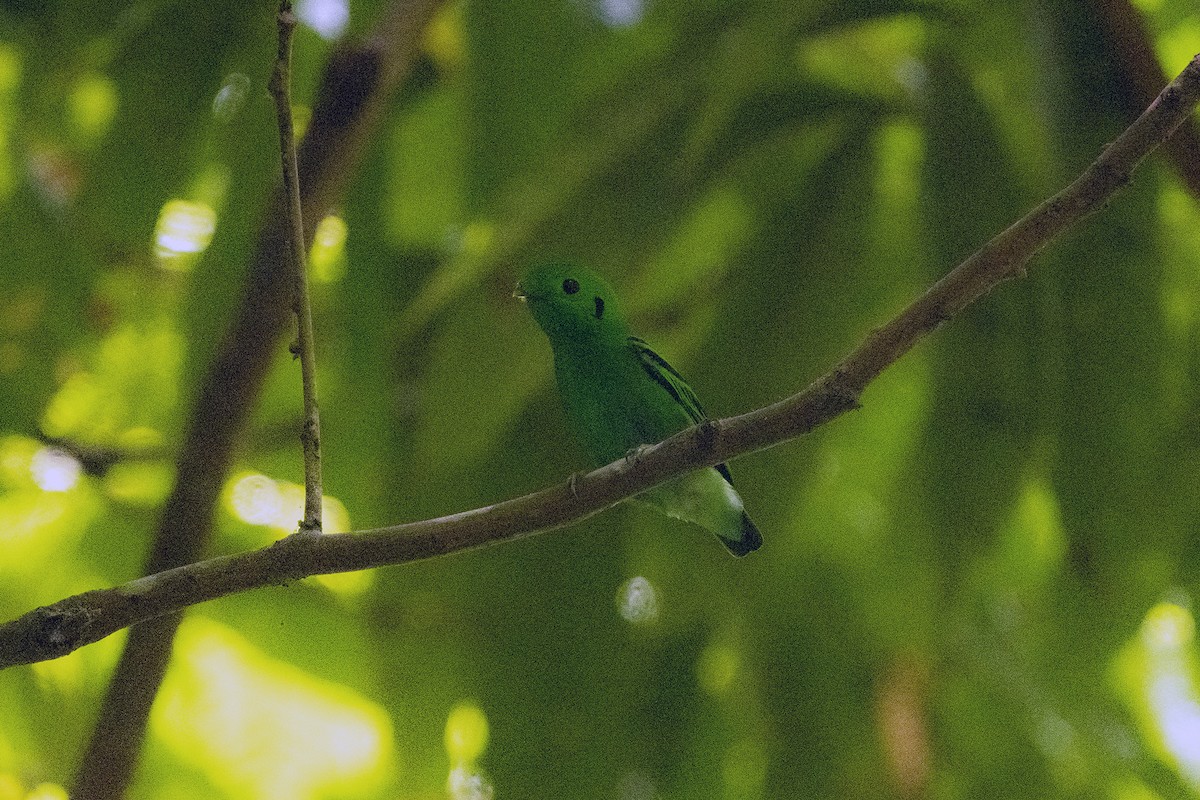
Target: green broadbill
pixel 619 394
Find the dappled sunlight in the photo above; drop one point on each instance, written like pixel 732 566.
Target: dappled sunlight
pixel 464 784
pixel 717 668
pixel 1033 543
pixel 900 150
pixel 328 256
pixel 618 13
pixel 257 499
pixel 883 51
pixel 75 672
pixel 946 603
pixel 79 397
pixel 1157 669
pixel 444 37
pixel 133 382
pixel 36 523
pixel 637 601
pixel 277 507
pixel 466 739
pixel 11 788
pixel 347 584
pixel 10 80
pixel 262 728
pixel 466 735
pixel 744 768
pixel 47 791
pixel 184 229
pixel 93 104
pixel 139 483
pixel 707 242
pixel 16 461
pixel 1177 45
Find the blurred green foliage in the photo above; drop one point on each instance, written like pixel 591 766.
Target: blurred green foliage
pixel 978 585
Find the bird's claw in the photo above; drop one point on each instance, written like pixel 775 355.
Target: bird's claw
pixel 633 454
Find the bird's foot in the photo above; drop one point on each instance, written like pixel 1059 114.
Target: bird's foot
pixel 634 454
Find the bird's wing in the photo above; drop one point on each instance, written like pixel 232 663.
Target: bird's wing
pixel 673 384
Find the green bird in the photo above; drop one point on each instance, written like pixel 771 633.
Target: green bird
pixel 619 394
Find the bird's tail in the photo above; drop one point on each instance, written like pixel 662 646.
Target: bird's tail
pixel 748 541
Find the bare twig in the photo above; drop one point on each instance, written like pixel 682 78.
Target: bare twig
pixel 58 629
pixel 310 436
pixel 357 84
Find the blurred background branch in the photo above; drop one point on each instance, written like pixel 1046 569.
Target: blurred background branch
pixel 358 83
pixel 1133 48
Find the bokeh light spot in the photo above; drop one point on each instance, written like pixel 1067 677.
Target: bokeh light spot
pixel 278 506
pixel 93 105
pixel 184 228
pixel 444 37
pixel 745 769
pixel 327 258
pixel 619 13
pixel 230 98
pixel 466 733
pixel 10 68
pixel 1158 667
pixel 637 601
pixel 328 18
pixel 467 784
pixel 55 470
pixel 256 499
pixel 717 668
pixel 47 791
pixel 1168 627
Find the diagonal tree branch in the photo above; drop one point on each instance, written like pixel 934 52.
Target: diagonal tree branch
pixel 355 89
pixel 55 630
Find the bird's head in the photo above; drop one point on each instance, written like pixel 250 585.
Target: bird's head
pixel 570 303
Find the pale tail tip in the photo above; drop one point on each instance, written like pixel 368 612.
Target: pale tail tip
pixel 749 541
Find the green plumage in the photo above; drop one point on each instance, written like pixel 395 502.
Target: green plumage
pixel 619 394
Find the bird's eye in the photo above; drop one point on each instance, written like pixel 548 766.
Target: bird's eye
pixel 570 286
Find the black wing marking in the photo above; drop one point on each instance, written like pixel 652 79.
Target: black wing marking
pixel 673 384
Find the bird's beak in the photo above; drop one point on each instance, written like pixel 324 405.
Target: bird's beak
pixel 520 293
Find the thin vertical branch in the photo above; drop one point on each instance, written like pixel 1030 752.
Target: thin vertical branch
pixel 356 87
pixel 310 436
